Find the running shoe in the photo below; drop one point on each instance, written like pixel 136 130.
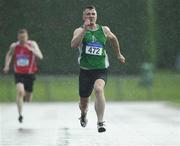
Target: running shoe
pixel 20 119
pixel 83 120
pixel 101 127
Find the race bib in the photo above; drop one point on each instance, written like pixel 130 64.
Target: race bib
pixel 22 61
pixel 94 49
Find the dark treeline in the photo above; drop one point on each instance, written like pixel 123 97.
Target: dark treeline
pixel 148 30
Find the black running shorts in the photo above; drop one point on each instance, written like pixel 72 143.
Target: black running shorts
pixel 26 79
pixel 87 79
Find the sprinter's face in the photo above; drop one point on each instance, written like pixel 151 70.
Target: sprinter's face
pixel 91 15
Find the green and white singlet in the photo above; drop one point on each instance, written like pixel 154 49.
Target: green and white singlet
pixel 92 51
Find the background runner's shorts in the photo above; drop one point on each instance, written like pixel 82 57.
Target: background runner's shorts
pixel 26 79
pixel 87 79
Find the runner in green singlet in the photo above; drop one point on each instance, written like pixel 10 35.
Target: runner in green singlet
pixel 91 39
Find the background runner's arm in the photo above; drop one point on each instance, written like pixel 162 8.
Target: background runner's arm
pixel 8 58
pixel 35 49
pixel 115 43
pixel 77 37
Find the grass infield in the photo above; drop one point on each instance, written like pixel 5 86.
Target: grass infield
pixel 166 86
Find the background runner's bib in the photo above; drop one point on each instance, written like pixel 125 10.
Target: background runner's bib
pixel 22 61
pixel 92 52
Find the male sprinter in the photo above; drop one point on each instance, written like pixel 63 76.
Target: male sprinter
pixel 91 38
pixel 25 53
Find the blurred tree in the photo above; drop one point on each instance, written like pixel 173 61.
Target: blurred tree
pixel 151 46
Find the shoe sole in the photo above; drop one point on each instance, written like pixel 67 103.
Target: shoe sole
pixel 102 129
pixel 83 124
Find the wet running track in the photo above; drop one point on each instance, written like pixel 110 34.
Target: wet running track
pixel 57 124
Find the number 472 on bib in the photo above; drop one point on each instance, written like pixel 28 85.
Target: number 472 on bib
pixel 93 50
